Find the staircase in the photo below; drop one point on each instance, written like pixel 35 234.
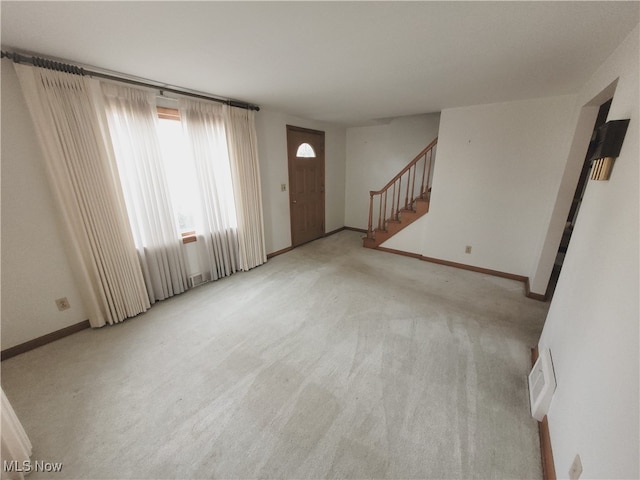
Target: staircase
pixel 403 200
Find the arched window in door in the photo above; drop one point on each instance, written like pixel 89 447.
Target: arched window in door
pixel 305 151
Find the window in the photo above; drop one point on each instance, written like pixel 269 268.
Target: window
pixel 306 151
pixel 183 181
pixel 181 171
pixel 175 170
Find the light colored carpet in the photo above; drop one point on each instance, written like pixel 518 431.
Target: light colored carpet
pixel 330 361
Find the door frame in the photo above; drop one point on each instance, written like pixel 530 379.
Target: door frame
pixel 291 156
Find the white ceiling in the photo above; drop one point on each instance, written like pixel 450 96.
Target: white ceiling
pixel 345 62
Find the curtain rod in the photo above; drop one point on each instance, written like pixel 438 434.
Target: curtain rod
pixel 73 69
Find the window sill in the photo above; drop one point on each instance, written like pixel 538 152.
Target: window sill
pixel 189 237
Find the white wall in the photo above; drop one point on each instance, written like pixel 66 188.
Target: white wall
pixel 375 154
pixel 592 327
pixel 496 173
pixel 35 267
pixel 272 151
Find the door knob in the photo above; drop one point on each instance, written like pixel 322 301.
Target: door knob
pixel 294 201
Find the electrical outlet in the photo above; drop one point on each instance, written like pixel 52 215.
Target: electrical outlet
pixel 467 249
pixel 576 468
pixel 63 304
pixel 283 187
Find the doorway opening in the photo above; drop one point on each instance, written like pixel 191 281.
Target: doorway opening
pixel 305 150
pixel 577 200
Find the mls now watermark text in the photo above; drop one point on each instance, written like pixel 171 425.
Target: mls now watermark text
pixel 31 466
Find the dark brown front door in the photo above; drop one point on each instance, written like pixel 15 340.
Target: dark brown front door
pixel 306 183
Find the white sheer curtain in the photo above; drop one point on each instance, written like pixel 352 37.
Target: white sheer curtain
pixel 204 125
pixel 16 446
pixel 132 122
pixel 84 180
pixel 245 170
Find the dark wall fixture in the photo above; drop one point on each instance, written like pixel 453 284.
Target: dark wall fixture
pixel 608 144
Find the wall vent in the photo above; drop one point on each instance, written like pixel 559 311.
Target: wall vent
pixel 542 384
pixel 196 279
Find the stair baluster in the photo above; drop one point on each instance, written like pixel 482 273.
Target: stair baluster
pixel 406 197
pixel 424 166
pixel 398 204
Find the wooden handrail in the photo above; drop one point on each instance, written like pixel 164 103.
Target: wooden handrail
pixel 405 169
pixel 407 188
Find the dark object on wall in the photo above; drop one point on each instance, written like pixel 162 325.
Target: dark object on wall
pixel 608 144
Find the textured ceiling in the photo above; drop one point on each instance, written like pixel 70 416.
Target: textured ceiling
pixel 345 62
